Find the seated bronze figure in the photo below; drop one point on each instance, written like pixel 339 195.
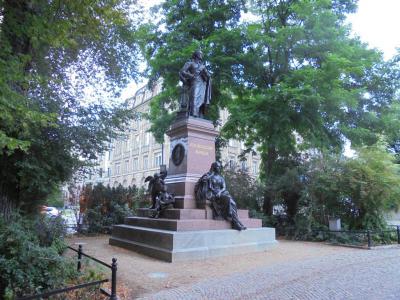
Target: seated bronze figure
pixel 160 197
pixel 211 187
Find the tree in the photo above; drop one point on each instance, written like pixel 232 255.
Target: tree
pixel 306 84
pixel 49 52
pixel 185 26
pixel 359 190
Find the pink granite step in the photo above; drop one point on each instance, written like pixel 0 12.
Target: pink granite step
pixel 188 224
pixel 175 213
pixel 184 214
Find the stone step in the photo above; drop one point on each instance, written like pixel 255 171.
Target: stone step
pixel 183 214
pixel 149 236
pixel 175 213
pixel 188 224
pixel 188 245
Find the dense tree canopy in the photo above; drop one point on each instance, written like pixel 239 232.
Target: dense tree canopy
pixel 293 78
pixel 185 26
pixel 49 52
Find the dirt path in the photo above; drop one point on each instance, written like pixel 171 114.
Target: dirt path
pixel 143 275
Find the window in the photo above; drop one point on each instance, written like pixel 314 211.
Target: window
pixel 255 167
pixel 101 172
pixel 145 162
pixel 117 169
pixel 118 147
pixel 157 159
pixel 243 165
pixel 135 164
pixel 232 163
pixel 135 142
pixel 147 138
pixel 108 172
pixel 126 166
pixel 125 145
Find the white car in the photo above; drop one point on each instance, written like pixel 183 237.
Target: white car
pixel 51 211
pixel 69 217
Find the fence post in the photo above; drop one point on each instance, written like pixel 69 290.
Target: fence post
pixel 369 238
pixel 79 257
pixel 398 234
pixel 114 280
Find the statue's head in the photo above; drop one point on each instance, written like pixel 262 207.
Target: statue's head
pixel 216 167
pixel 197 54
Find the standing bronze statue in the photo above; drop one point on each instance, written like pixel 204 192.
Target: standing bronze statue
pixel 196 91
pixel 211 186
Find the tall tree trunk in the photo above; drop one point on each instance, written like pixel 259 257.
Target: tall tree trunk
pixel 269 160
pixel 6 207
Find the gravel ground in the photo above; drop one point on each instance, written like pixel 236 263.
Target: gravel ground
pixel 229 277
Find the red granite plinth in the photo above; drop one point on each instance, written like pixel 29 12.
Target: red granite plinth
pixel 197 136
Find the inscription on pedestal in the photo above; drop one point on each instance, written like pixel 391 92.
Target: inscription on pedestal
pixel 200 149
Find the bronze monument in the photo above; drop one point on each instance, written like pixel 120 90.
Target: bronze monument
pixel 211 187
pixel 160 197
pixel 196 91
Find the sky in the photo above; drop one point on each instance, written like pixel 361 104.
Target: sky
pixel 376 22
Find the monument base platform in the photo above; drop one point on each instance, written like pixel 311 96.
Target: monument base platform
pixel 174 246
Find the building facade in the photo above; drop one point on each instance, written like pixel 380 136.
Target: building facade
pixel 137 155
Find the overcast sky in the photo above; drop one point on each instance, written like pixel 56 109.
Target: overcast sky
pixel 377 22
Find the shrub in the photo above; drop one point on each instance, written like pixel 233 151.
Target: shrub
pixel 106 206
pixel 359 190
pixel 50 230
pixel 246 190
pixel 30 262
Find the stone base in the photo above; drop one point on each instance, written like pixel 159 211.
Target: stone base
pixel 174 246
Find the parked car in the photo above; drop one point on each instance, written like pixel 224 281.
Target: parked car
pixel 69 217
pixel 50 211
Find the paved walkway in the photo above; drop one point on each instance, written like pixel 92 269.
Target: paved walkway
pixel 360 274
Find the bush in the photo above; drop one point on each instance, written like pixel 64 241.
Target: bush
pixel 106 206
pixel 30 260
pixel 246 190
pixel 50 230
pixel 358 190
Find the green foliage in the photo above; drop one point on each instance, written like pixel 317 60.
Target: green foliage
pixel 49 231
pixel 49 53
pixel 30 263
pixel 107 206
pixel 307 80
pixel 293 79
pixel 246 190
pixel 190 25
pixel 55 198
pixel 359 190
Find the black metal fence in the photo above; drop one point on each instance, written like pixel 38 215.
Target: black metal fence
pixel 112 295
pixel 360 238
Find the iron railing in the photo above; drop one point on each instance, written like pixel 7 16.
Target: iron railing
pixel 370 238
pixel 111 294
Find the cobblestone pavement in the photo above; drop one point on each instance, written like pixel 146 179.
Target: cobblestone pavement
pixel 362 274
